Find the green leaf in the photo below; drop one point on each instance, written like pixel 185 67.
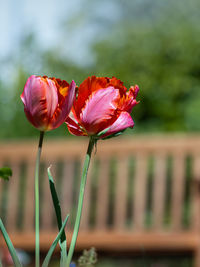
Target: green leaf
pixel 56 203
pixel 5 173
pixel 54 244
pixel 103 132
pixel 10 245
pixel 113 135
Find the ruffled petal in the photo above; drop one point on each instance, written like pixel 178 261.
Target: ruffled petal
pixel 99 110
pixel 64 105
pixel 118 84
pixel 89 85
pixel 73 127
pixel 128 101
pixel 123 121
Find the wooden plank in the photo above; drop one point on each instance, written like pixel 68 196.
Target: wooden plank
pixel 67 187
pixel 57 148
pixel 102 193
pixel 87 198
pixel 177 191
pixel 120 148
pixel 195 223
pixel 47 210
pixel 159 190
pixel 13 196
pixel 29 205
pixel 121 193
pixel 140 190
pixel 197 258
pixel 1 181
pixel 113 241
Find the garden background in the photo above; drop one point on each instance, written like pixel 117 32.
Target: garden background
pixel 152 43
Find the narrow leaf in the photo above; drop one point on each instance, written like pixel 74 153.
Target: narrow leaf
pixel 54 244
pixel 10 245
pixel 56 203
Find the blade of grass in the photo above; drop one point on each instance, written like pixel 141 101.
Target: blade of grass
pixel 54 244
pixel 56 203
pixel 10 246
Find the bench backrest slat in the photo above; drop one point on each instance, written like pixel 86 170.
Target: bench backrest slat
pixel 102 193
pixel 195 193
pixel 140 189
pixel 121 192
pixel 13 196
pixel 159 191
pixel 177 190
pixel 29 196
pixel 66 194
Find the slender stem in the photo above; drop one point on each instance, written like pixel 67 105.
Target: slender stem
pixel 37 226
pixel 80 201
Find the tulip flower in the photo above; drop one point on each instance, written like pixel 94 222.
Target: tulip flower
pixel 102 107
pixel 47 101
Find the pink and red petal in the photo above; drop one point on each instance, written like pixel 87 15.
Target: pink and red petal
pixel 74 128
pixel 118 84
pixel 99 110
pixel 40 100
pixel 39 124
pixel 86 88
pixel 128 101
pixel 47 101
pixel 123 121
pixel 64 107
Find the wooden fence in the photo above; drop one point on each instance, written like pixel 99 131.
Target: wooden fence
pixel 141 193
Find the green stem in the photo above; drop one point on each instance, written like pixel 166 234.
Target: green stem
pixel 80 201
pixel 37 226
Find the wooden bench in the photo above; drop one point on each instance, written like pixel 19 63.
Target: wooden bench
pixel 143 193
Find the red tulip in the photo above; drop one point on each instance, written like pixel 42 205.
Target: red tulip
pixel 47 101
pixel 102 107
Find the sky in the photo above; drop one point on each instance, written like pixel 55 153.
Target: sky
pixel 47 19
pixel 40 16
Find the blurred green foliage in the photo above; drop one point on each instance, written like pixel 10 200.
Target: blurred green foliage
pixel 5 173
pixel 156 46
pixel 88 258
pixel 162 55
